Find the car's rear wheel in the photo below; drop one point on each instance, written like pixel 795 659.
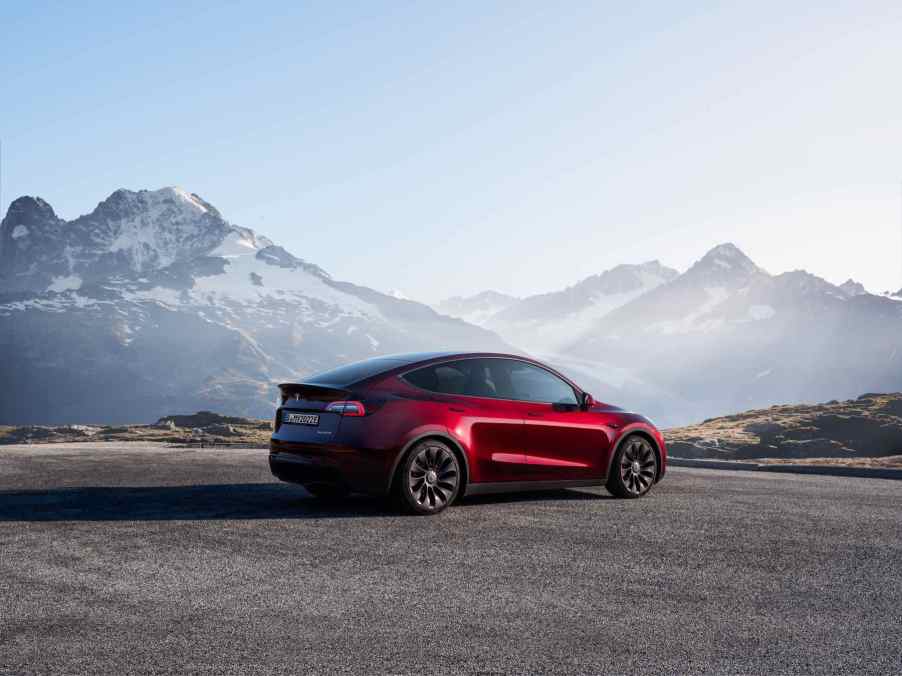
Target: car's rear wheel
pixel 327 491
pixel 429 479
pixel 633 469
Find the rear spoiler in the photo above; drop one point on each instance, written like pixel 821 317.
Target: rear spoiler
pixel 311 391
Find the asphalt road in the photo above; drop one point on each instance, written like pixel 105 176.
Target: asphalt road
pixel 133 558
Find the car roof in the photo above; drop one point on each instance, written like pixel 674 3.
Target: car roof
pixel 408 358
pixel 405 361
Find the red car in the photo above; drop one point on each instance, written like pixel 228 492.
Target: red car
pixel 428 428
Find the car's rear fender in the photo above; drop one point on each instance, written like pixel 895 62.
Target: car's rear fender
pixel 422 433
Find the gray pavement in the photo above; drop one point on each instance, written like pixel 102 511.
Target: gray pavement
pixel 120 558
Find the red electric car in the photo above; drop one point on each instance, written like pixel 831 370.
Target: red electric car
pixel 428 428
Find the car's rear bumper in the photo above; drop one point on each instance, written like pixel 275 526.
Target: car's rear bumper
pixel 360 470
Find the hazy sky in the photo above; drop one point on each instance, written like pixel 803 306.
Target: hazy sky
pixel 446 148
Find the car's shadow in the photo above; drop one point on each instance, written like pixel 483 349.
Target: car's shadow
pixel 214 502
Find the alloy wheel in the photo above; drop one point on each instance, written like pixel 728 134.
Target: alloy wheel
pixel 637 466
pixel 433 477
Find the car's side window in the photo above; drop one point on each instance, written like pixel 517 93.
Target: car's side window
pixel 471 377
pixel 531 383
pixel 480 378
pixel 494 378
pixel 448 378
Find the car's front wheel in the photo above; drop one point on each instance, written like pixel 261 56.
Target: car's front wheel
pixel 429 479
pixel 633 469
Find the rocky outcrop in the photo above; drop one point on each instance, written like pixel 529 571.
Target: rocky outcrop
pixel 870 426
pixel 203 427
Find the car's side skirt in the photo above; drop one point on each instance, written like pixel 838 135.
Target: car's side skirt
pixel 486 487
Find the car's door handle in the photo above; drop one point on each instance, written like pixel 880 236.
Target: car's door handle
pixel 456 409
pixel 534 415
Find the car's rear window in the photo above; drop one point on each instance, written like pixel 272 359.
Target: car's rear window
pixel 354 373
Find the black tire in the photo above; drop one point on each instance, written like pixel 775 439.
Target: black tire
pixel 429 478
pixel 633 469
pixel 327 491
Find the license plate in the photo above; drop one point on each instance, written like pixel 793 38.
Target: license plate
pixel 301 418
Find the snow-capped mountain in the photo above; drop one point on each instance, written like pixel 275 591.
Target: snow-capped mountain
pixel 727 336
pixel 547 322
pixel 154 303
pixel 477 309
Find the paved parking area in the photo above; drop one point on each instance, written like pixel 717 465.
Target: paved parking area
pixel 138 558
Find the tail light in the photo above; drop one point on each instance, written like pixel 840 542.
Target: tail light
pixel 348 408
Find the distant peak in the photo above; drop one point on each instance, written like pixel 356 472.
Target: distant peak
pixel 853 288
pixel 647 266
pixel 726 258
pixel 140 200
pixel 488 295
pixel 29 202
pixel 657 267
pixel 627 276
pixel 804 281
pixel 494 295
pixel 726 250
pixel 656 264
pixel 29 210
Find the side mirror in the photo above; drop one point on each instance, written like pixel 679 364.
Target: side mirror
pixel 587 401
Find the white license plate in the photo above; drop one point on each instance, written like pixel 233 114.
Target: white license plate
pixel 301 418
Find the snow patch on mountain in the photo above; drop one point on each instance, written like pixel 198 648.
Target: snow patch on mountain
pixel 19 231
pixel 65 283
pixel 191 199
pixel 477 309
pixel 236 285
pixel 696 320
pixel 234 245
pixel 761 312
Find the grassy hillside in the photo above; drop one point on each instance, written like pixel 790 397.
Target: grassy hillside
pixel 867 427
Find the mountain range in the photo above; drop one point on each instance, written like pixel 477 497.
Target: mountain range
pixel 547 322
pixel 154 304
pixel 722 337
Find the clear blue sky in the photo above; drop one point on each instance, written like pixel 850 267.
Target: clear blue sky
pixel 445 148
